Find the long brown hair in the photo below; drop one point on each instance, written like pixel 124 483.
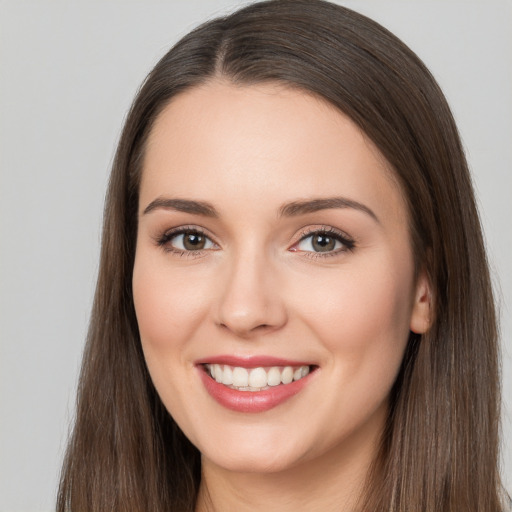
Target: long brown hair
pixel 439 450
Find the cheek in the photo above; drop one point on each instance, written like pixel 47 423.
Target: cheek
pixel 162 301
pixel 169 309
pixel 362 316
pixel 363 323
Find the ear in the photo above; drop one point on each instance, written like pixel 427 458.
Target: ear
pixel 421 315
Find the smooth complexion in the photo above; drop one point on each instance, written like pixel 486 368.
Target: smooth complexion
pixel 251 167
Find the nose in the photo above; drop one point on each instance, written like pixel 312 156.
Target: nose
pixel 251 300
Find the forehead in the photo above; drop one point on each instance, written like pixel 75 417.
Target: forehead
pixel 243 143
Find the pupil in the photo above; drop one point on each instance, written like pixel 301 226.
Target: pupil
pixel 193 241
pixel 322 243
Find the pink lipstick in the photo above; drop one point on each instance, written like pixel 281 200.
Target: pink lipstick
pixel 253 384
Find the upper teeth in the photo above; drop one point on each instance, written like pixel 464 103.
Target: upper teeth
pixel 255 379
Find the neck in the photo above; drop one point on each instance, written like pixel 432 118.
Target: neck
pixel 329 483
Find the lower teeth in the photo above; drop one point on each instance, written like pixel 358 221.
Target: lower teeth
pixel 248 388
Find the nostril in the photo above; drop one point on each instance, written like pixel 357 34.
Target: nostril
pixel 244 328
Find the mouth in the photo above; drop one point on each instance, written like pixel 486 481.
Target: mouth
pixel 255 379
pixel 253 385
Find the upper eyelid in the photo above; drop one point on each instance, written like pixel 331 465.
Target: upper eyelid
pixel 187 229
pixel 344 238
pixel 302 234
pixel 167 235
pixel 163 241
pixel 306 232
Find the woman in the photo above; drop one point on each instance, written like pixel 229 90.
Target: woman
pixel 293 307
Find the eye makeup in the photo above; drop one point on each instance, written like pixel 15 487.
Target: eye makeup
pixel 314 242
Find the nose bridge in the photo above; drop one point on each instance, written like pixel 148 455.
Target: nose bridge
pixel 251 299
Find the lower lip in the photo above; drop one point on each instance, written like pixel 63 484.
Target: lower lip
pixel 251 401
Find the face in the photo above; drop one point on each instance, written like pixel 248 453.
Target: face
pixel 274 280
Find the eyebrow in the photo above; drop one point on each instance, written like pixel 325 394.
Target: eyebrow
pixel 314 205
pixel 292 209
pixel 182 205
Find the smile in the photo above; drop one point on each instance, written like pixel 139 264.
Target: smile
pixel 253 385
pixel 255 379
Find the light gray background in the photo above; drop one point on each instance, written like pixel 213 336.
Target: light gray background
pixel 68 72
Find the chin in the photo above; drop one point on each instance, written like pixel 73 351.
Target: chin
pixel 243 461
pixel 252 451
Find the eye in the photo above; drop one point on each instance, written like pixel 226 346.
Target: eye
pixel 186 240
pixel 324 241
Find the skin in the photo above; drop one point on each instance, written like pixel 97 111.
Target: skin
pixel 257 289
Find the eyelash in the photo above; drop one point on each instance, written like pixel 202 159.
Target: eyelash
pixel 347 242
pixel 165 238
pixel 329 232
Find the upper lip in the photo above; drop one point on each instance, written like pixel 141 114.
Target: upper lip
pixel 254 361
